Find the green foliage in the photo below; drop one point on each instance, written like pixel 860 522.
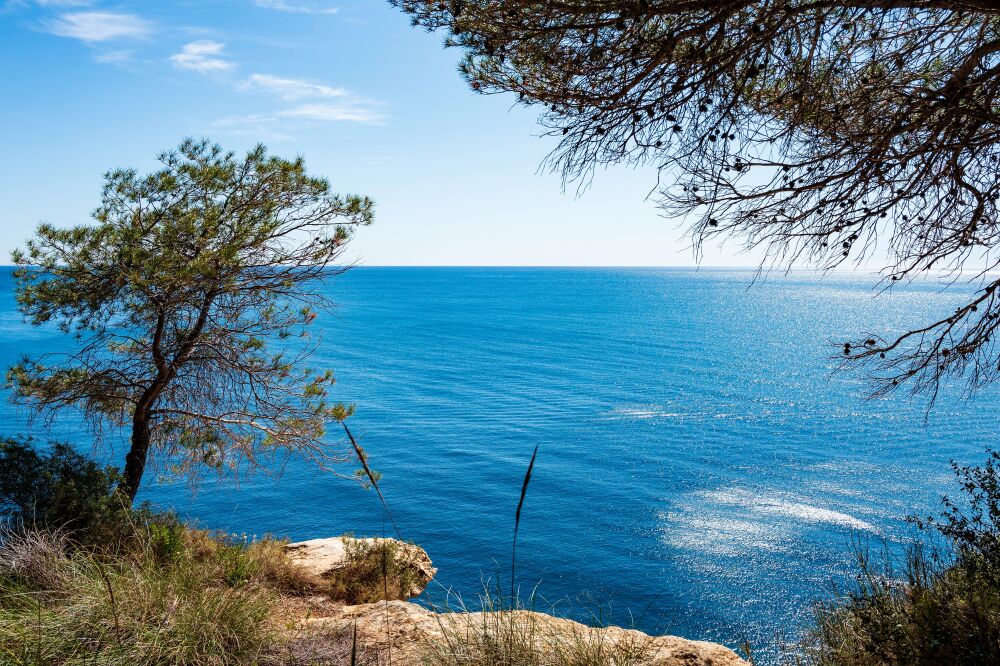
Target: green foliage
pixel 187 296
pixel 942 606
pixel 373 570
pixel 57 488
pixel 973 526
pixel 166 535
pixel 237 567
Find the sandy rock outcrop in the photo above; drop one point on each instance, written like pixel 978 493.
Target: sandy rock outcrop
pixel 322 558
pixel 410 631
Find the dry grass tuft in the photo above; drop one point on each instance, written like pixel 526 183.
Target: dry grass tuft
pixel 372 571
pixel 505 634
pixel 34 560
pixel 337 647
pixel 210 604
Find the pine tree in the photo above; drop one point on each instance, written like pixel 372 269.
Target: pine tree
pixel 189 298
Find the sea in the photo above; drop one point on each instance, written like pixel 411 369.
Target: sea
pixel 704 467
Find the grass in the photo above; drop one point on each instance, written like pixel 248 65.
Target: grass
pixel 178 597
pixel 505 633
pixel 163 593
pixel 938 604
pixel 338 647
pixel 373 570
pixel 204 601
pixel 925 611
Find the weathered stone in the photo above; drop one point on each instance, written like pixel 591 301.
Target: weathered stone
pixel 410 631
pixel 321 558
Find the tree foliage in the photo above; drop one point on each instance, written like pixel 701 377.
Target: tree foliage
pixel 818 132
pixel 59 489
pixel 190 297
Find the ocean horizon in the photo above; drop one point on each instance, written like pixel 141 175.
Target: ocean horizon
pixel 703 467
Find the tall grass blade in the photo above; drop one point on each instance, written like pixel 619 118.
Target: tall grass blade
pixel 371 478
pixel 354 646
pixel 111 598
pixel 517 523
pixel 399 534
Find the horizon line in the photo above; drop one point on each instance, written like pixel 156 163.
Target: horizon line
pixel 642 266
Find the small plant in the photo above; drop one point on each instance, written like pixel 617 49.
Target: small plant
pixel 940 605
pixel 373 570
pixel 166 536
pixel 34 560
pixel 272 567
pixel 238 565
pixel 506 632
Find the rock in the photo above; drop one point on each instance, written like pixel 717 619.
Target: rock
pixel 323 559
pixel 410 632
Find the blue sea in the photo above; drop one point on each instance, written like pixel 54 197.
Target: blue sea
pixel 702 468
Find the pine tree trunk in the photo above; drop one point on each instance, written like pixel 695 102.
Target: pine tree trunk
pixel 135 460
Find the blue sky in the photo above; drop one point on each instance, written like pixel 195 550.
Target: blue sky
pixel 372 103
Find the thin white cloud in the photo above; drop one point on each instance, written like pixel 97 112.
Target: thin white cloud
pixel 201 56
pixel 99 26
pixel 320 103
pixel 257 125
pixel 330 113
pixel 291 89
pixel 316 103
pixel 298 7
pixel 114 57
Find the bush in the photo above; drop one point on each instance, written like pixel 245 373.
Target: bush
pixel 166 535
pixel 59 489
pixel 372 571
pixel 941 605
pixel 238 561
pixel 86 579
pixel 34 561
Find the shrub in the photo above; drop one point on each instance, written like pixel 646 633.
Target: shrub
pixel 238 565
pixel 57 490
pixel 972 527
pixel 372 571
pixel 60 489
pixel 941 605
pixel 86 579
pixel 273 568
pixel 166 534
pixel 239 561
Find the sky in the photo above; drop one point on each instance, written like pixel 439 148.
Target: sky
pixel 373 104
